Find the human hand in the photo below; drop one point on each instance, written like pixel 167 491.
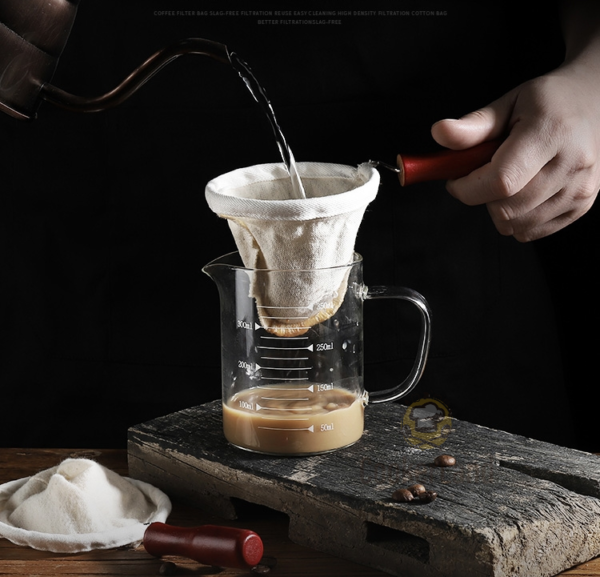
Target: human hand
pixel 546 174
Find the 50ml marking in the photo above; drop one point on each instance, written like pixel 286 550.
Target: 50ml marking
pixel 310 429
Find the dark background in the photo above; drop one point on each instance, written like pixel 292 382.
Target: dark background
pixel 106 318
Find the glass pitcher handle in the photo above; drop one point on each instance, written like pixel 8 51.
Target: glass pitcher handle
pixel 410 382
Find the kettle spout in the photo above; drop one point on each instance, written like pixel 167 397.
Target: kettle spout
pixel 137 78
pixel 33 35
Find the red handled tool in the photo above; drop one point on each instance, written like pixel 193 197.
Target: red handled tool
pixel 444 164
pixel 208 544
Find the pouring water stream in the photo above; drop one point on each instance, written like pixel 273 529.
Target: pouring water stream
pixel 259 94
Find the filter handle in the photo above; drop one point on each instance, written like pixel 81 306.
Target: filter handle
pixel 444 164
pixel 207 544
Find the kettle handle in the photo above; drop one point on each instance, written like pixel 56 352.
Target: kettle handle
pixel 137 78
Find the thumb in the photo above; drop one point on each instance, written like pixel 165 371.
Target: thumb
pixel 484 124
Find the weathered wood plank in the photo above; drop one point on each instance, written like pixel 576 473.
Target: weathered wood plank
pixel 511 505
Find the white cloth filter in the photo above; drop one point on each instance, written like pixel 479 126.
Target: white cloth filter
pixel 275 232
pixel 78 506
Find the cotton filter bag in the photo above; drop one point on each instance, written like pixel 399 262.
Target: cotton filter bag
pixel 78 506
pixel 302 244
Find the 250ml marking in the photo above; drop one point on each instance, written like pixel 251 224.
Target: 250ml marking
pixel 324 347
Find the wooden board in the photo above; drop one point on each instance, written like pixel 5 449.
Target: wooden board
pixel 511 505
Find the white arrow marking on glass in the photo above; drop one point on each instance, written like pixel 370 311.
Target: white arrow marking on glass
pixel 271 318
pixel 259 407
pixel 284 378
pixel 284 338
pixel 311 428
pixel 308 348
pixel 286 369
pixel 284 359
pixel 282 307
pixel 311 388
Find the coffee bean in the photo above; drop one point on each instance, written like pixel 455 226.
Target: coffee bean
pixel 167 568
pixel 417 489
pixel 428 496
pixel 269 561
pixel 444 461
pixel 265 566
pixel 402 495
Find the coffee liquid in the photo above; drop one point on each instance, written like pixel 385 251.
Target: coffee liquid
pixel 259 94
pixel 291 421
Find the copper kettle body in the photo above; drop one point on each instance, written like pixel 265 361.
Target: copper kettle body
pixel 33 35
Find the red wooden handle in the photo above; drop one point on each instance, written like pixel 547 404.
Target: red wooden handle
pixel 208 544
pixel 446 164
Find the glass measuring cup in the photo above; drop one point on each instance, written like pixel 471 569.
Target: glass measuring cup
pixel 292 373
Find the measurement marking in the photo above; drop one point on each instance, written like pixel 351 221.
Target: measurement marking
pixel 284 359
pixel 285 338
pixel 311 428
pixel 287 369
pixel 286 318
pixel 308 348
pixel 259 407
pixel 310 388
pixel 298 327
pixel 284 379
pixel 282 307
pixel 279 399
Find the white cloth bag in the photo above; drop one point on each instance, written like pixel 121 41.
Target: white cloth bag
pixel 78 506
pixel 276 232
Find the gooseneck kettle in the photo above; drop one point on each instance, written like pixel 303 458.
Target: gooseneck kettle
pixel 33 34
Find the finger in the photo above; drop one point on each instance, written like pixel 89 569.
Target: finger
pixel 484 124
pixel 516 162
pixel 554 198
pixel 516 213
pixel 537 225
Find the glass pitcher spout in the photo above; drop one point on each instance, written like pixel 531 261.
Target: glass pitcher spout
pixel 217 269
pixel 222 270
